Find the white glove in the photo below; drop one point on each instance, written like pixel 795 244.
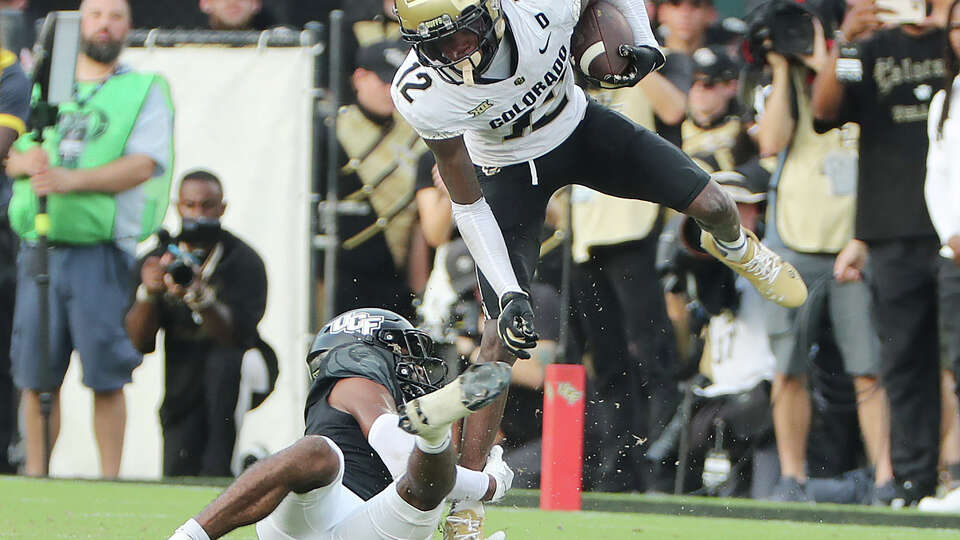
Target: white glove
pixel 499 535
pixel 501 472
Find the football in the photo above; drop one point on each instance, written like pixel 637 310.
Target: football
pixel 598 35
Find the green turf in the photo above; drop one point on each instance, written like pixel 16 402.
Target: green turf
pixel 42 509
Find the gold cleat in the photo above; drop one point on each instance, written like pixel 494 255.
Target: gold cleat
pixel 463 525
pixel 775 279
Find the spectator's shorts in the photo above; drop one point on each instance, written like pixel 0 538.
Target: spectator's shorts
pixel 90 292
pixel 333 512
pixel 850 312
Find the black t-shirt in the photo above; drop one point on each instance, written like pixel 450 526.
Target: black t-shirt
pixel 901 73
pixel 239 281
pixel 364 471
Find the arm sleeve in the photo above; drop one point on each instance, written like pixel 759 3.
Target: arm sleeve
pixel 479 230
pixel 636 14
pixel 941 196
pixel 153 131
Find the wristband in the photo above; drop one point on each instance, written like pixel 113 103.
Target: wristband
pixel 145 296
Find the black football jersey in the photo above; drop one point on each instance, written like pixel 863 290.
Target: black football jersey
pixel 364 473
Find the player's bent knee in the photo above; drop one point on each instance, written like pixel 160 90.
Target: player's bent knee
pixel 425 495
pixel 312 464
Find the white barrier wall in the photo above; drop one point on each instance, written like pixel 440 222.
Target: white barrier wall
pixel 245 114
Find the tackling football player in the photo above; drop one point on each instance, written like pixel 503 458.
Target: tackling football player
pixel 356 474
pixel 489 87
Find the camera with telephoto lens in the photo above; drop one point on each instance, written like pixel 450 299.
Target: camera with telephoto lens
pixel 781 26
pixel 181 269
pixel 200 231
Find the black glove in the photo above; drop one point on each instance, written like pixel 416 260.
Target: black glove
pixel 515 325
pixel 643 60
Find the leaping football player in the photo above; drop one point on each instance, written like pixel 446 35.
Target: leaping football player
pixel 376 461
pixel 489 86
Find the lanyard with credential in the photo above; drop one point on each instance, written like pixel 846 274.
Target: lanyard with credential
pixel 82 102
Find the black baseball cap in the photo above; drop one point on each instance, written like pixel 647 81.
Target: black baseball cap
pixel 715 63
pixel 383 58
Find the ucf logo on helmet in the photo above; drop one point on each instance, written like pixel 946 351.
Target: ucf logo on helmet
pixel 356 322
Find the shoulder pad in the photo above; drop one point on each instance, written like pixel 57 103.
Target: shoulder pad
pixel 359 360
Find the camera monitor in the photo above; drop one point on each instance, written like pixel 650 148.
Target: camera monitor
pixel 56 56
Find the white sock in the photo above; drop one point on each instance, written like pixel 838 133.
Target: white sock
pixel 391 443
pixel 191 530
pixel 736 250
pixel 434 447
pixel 470 485
pixel 475 506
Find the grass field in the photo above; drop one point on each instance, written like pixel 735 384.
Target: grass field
pixel 53 509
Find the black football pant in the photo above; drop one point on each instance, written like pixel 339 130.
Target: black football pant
pixel 606 152
pixel 197 415
pixel 621 309
pixel 904 285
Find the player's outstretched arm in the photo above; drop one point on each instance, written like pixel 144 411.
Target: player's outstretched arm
pixel 483 237
pixel 308 464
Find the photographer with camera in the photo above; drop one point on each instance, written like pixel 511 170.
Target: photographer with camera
pixel 810 223
pixel 883 70
pixel 720 322
pixel 207 289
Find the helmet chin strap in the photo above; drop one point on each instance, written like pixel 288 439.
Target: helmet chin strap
pixel 467 65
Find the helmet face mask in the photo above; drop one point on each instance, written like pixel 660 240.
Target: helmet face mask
pixel 416 370
pixel 455 37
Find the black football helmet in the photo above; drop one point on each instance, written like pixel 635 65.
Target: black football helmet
pixel 417 371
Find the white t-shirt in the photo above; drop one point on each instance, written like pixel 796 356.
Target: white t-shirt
pixel 514 120
pixel 740 355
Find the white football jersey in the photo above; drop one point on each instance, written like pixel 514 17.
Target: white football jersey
pixel 514 120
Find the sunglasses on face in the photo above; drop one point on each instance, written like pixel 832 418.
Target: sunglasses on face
pixel 707 82
pixel 694 3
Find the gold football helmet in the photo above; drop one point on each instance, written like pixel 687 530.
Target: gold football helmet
pixel 458 38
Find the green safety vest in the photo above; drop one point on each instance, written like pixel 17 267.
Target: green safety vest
pixel 105 122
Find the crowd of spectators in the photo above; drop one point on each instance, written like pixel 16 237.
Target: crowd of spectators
pixel 695 384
